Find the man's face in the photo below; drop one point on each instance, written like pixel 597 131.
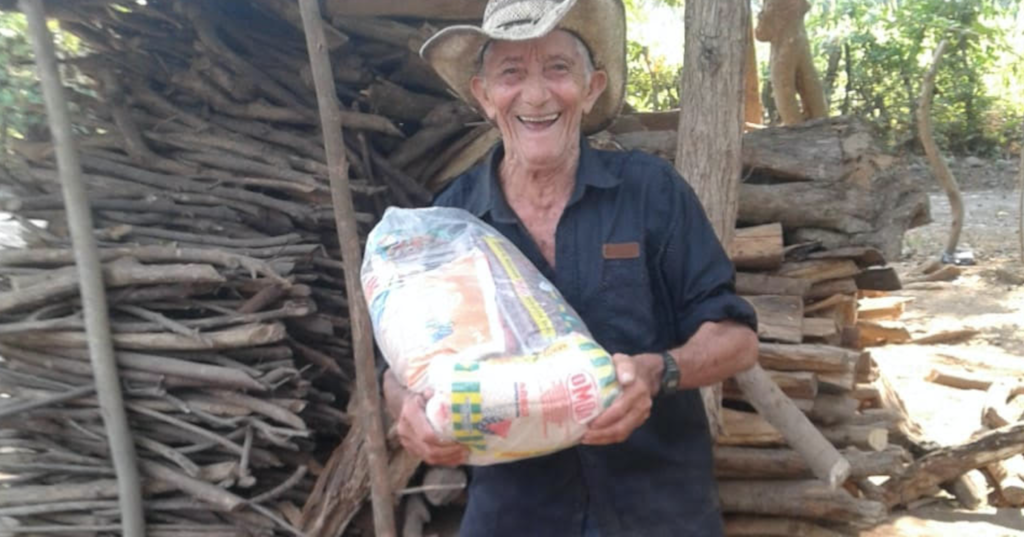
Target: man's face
pixel 537 91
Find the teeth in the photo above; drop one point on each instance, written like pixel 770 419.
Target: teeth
pixel 539 119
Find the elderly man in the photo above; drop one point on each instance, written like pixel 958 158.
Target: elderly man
pixel 627 243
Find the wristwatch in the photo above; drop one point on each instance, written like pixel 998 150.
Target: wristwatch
pixel 669 375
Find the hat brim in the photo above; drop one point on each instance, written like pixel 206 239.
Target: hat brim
pixel 600 24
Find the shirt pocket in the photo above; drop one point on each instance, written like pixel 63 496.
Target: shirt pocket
pixel 625 300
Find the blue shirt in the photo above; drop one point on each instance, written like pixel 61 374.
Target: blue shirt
pixel 637 258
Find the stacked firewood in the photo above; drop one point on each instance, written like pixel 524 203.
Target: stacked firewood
pixel 207 176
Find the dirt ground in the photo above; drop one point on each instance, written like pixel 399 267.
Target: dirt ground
pixel 988 297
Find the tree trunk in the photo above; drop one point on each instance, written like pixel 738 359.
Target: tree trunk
pixel 711 122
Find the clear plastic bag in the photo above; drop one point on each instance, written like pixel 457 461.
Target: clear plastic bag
pixel 458 310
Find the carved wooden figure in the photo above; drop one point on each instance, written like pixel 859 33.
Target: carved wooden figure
pixel 781 23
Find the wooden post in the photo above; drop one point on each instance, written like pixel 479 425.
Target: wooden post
pixel 344 216
pixel 87 261
pixel 708 155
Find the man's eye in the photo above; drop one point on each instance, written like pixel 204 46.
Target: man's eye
pixel 510 71
pixel 561 67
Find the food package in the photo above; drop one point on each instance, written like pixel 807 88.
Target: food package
pixel 461 314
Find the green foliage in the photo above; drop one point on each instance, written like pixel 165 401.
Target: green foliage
pixel 872 56
pixel 21 102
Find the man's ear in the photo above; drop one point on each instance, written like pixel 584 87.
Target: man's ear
pixel 598 83
pixel 478 87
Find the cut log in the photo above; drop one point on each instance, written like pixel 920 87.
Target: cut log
pixel 963 380
pixel 867 437
pixel 821 328
pixel 997 412
pixel 945 464
pixel 796 385
pixel 748 526
pixel 735 462
pixel 802 499
pixel 841 308
pixel 757 248
pixel 817 358
pixel 748 284
pixel 841 286
pixel 747 429
pixel 946 336
pixel 1005 478
pixel 882 332
pixel 830 409
pixel 946 273
pixel 970 489
pixel 780 318
pixel 864 256
pixel 888 308
pixel 817 271
pixel 837 382
pixel 879 279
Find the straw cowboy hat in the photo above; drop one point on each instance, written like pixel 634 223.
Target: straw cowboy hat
pixel 600 24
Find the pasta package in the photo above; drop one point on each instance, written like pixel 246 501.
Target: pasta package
pixel 460 313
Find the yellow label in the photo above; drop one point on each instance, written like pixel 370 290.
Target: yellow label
pixel 543 322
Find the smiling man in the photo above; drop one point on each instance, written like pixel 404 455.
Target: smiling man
pixel 627 243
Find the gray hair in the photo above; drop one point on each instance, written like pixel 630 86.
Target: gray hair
pixel 581 48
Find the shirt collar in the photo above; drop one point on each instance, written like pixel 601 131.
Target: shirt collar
pixel 486 194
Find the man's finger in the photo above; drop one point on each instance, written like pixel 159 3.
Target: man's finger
pixel 625 369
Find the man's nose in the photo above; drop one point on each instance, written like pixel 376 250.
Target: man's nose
pixel 535 90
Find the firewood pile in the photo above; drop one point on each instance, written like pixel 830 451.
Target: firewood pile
pixel 206 172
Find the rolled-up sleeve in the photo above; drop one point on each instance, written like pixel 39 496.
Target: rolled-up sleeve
pixel 699 275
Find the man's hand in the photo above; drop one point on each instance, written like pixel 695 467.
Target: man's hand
pixel 638 379
pixel 415 432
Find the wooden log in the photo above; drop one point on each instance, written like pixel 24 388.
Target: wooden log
pixel 736 462
pixel 747 429
pixel 1005 478
pixel 796 385
pixel 748 526
pixel 821 329
pixel 807 357
pixel 837 382
pixel 757 247
pixel 120 274
pixel 864 256
pixel 748 284
pixel 841 286
pixel 887 308
pixel 869 437
pixel 960 379
pixel 817 271
pixel 369 404
pixel 394 101
pixel 947 463
pixel 997 412
pixel 882 332
pixel 969 489
pixel 830 409
pixel 879 279
pixel 945 336
pixel 802 499
pixel 242 336
pixel 780 318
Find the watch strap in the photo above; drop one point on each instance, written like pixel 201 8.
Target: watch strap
pixel 669 375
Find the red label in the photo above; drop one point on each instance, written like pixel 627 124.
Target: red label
pixel 583 395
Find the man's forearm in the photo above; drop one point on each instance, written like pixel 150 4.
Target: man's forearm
pixel 716 352
pixel 394 394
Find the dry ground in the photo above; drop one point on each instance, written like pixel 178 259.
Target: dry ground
pixel 988 297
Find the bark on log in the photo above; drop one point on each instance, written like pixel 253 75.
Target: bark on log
pixel 796 385
pixel 748 526
pixel 436 9
pixel 817 358
pixel 780 318
pixel 735 462
pixel 757 248
pixel 802 499
pixel 748 284
pixel 947 463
